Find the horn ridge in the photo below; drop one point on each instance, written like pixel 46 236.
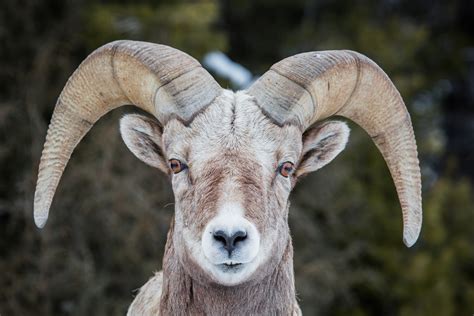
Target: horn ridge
pixel 309 87
pixel 161 80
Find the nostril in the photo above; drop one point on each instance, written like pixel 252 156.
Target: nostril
pixel 239 236
pixel 221 237
pixel 230 242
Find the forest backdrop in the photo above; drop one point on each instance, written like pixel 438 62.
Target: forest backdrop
pixel 111 213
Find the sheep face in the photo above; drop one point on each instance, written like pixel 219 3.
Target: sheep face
pixel 232 170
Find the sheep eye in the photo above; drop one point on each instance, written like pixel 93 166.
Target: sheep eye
pixel 176 166
pixel 286 169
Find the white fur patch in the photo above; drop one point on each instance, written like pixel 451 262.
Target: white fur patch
pixel 230 219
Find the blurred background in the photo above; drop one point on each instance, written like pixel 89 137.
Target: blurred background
pixel 111 213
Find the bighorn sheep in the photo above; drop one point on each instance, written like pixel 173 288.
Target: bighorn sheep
pixel 233 158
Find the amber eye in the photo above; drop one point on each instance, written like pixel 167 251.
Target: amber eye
pixel 176 166
pixel 286 169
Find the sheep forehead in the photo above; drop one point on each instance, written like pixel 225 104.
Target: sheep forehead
pixel 234 125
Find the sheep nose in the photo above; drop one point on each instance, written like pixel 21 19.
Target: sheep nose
pixel 230 241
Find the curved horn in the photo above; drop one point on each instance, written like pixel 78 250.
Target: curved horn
pixel 309 87
pixel 161 80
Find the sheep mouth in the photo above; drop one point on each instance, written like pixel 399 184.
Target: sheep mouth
pixel 231 267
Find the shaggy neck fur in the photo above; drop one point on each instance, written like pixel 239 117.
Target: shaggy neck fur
pixel 181 295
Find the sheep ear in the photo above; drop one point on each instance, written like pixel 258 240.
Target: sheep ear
pixel 321 144
pixel 143 135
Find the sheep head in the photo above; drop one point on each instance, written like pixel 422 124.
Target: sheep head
pixel 232 170
pixel 233 158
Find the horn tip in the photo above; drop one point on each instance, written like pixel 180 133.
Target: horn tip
pixel 40 220
pixel 410 236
